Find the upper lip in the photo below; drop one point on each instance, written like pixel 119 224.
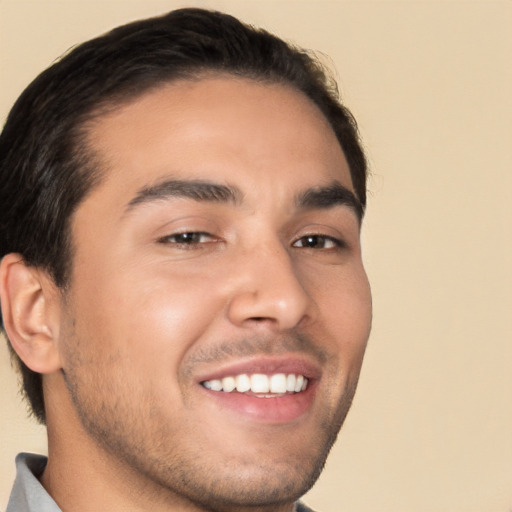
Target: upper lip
pixel 267 365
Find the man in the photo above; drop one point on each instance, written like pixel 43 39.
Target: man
pixel 181 277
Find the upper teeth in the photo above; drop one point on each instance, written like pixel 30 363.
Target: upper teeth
pixel 259 383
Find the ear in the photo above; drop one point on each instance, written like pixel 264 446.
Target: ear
pixel 30 304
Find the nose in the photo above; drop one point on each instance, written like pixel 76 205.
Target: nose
pixel 268 291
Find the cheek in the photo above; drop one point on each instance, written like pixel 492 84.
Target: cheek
pixel 345 307
pixel 153 311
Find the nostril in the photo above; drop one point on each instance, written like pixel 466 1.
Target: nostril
pixel 261 321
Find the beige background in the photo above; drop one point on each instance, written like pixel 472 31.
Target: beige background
pixel 431 86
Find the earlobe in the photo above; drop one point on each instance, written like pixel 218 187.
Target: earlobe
pixel 29 301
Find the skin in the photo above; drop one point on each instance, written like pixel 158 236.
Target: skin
pixel 145 317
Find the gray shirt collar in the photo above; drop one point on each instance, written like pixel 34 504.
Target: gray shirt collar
pixel 28 495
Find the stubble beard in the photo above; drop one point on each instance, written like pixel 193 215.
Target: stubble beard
pixel 138 438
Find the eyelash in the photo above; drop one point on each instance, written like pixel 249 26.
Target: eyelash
pixel 315 238
pixel 191 239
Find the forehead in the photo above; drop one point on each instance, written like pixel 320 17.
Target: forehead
pixel 225 129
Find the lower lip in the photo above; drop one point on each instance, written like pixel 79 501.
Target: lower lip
pixel 282 409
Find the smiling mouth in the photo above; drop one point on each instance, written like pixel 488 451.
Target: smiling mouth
pixel 259 384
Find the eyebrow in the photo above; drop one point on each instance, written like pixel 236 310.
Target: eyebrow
pixel 330 196
pixel 198 190
pixel 323 197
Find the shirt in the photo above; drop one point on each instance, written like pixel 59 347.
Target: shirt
pixel 28 495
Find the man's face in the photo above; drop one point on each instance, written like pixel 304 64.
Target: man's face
pixel 220 250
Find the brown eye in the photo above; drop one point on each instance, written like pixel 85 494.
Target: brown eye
pixel 188 238
pixel 318 242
